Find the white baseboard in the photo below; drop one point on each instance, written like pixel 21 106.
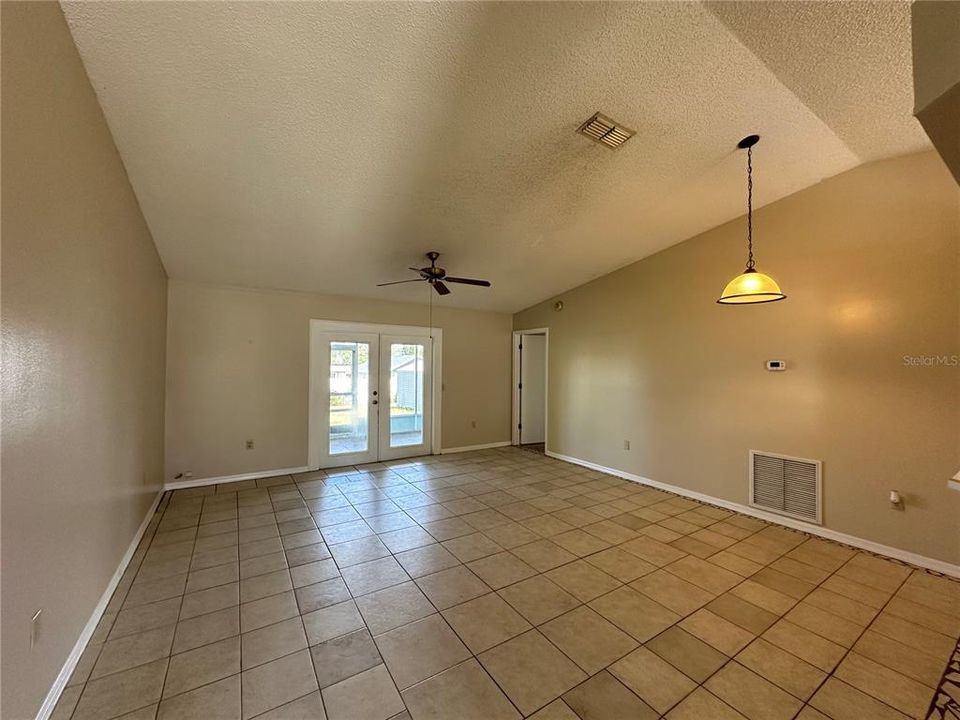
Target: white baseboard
pixel 50 702
pixel 468 448
pixel 200 482
pixel 820 531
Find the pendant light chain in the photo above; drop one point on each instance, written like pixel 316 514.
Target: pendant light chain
pixel 750 208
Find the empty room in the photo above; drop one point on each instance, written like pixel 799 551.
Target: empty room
pixel 480 360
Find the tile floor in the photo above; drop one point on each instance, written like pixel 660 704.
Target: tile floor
pixel 503 584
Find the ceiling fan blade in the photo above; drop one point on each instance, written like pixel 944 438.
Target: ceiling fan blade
pixel 468 281
pixel 398 282
pixel 440 288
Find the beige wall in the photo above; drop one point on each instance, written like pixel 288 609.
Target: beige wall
pixel 870 261
pixel 237 368
pixel 83 317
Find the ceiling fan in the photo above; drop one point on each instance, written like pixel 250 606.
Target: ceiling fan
pixel 436 276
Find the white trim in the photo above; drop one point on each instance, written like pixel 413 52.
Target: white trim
pixel 468 448
pixel 954 484
pixel 875 547
pixel 200 482
pixel 316 392
pixel 515 389
pixel 53 696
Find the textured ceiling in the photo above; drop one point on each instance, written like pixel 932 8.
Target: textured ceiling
pixel 325 146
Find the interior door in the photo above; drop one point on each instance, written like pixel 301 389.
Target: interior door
pixel 405 396
pixel 350 427
pixel 533 373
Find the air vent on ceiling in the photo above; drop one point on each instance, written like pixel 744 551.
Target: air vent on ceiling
pixel 605 131
pixel 785 485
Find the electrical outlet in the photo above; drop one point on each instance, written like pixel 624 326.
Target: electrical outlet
pixel 249 444
pixel 626 444
pixel 35 628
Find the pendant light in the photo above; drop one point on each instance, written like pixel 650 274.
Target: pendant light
pixel 751 286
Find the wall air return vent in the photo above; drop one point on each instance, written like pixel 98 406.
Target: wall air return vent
pixel 605 131
pixel 786 485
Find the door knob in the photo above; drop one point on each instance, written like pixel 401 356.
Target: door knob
pixel 376 402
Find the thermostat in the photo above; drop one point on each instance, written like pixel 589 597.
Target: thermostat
pixel 776 365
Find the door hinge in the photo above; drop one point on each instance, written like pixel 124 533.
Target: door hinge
pixel 521 346
pixel 519 427
pixel 519 386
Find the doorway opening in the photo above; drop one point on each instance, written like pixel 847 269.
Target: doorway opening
pixel 374 392
pixel 530 374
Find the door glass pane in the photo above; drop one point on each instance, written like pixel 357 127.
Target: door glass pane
pixel 406 394
pixel 349 394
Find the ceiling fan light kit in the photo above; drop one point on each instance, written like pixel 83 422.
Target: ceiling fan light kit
pixel 437 277
pixel 751 287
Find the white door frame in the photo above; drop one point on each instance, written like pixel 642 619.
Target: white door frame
pixel 515 417
pixel 316 406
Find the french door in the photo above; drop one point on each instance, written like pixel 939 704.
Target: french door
pixel 376 397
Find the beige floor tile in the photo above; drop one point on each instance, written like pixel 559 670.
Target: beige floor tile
pixel 750 694
pixel 557 710
pixel 653 551
pixel 267 611
pixel 809 713
pixel 789 672
pixel 700 705
pixel 426 560
pixel 920 666
pixel 791 566
pixel 332 621
pixel 501 569
pixel 603 696
pixel 277 683
pixel 67 702
pixel 817 651
pixel 370 695
pixel 875 572
pixel 783 583
pixel 703 574
pixel 132 650
pixel 620 564
pixel 202 665
pixel 825 624
pixel 262 586
pixel 694 547
pixel 374 575
pixel 210 600
pixel 394 606
pixel 359 551
pixel 915 636
pixel 762 596
pixel 121 692
pixel 145 617
pixel 924 616
pixel 343 657
pixel 656 681
pixel 746 615
pixel 206 629
pixel 309 707
pixel 262 564
pixel 906 695
pixel 580 542
pixel 734 563
pixel 421 649
pixel 588 639
pixel 464 691
pixel 690 655
pixel 321 595
pixel 546 525
pixel 472 547
pixel 307 554
pixel 840 701
pixel 406 538
pixel 485 621
pixel 672 592
pixel 611 532
pixel 218 701
pixel 314 572
pixel 844 607
pixel 531 670
pixel 543 555
pixel 271 642
pixel 856 591
pixel 538 599
pixel 150 591
pixel 448 528
pixel 511 535
pixel 634 613
pixel 583 580
pixel 452 587
pixel 714 630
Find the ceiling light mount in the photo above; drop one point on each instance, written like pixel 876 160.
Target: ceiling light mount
pixel 750 287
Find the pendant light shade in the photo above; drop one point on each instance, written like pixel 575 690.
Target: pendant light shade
pixel 751 286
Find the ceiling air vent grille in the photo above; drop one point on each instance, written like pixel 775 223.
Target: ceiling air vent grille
pixel 786 485
pixel 605 131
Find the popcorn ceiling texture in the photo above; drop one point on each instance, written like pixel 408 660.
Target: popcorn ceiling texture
pixel 325 146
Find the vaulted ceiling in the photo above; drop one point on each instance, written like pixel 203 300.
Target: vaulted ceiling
pixel 325 146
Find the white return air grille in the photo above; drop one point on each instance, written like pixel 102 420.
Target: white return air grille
pixel 785 485
pixel 605 131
